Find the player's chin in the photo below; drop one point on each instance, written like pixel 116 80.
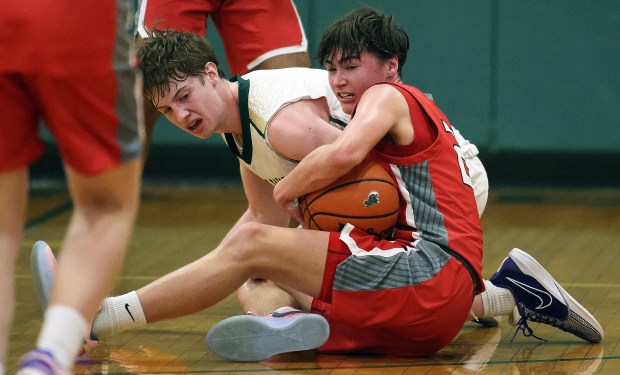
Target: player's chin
pixel 347 106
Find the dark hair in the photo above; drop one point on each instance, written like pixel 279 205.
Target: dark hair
pixel 169 55
pixel 364 30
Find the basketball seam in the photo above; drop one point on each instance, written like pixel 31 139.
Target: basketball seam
pixel 351 216
pixel 343 185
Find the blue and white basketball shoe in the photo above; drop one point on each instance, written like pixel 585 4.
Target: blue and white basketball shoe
pixel 541 299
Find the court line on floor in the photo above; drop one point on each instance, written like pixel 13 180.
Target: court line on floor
pixel 49 214
pixel 318 367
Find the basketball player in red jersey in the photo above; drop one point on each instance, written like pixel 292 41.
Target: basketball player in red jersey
pixel 87 97
pixel 257 34
pixel 424 279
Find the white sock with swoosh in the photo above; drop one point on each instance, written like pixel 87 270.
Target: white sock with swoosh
pixel 497 301
pixel 118 314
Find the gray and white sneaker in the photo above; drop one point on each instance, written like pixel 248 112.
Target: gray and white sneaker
pixel 42 265
pixel 251 338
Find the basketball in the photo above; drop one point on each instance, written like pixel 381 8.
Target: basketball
pixel 365 197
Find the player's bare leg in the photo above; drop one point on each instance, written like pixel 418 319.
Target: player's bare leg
pixel 299 59
pixel 262 297
pixel 206 281
pixel 13 202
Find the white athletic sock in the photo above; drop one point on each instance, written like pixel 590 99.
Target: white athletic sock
pixel 2 370
pixel 118 314
pixel 62 334
pixel 496 301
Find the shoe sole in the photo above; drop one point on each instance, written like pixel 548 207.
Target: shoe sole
pixel 42 265
pixel 530 266
pixel 488 322
pixel 248 338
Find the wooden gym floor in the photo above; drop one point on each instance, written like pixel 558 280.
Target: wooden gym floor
pixel 575 234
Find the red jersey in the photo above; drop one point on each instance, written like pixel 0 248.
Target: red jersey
pixel 408 294
pixel 437 199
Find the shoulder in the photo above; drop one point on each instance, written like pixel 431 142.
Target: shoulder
pixel 384 91
pixel 383 95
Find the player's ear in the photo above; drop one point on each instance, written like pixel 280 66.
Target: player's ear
pixel 210 71
pixel 392 65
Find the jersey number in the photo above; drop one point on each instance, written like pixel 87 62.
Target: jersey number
pixel 461 159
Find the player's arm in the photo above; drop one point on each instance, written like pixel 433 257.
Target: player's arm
pixel 381 111
pixel 300 127
pixel 261 206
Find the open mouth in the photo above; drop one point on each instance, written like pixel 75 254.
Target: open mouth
pixel 194 125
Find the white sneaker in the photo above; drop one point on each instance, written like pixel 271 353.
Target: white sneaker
pixel 42 264
pixel 250 338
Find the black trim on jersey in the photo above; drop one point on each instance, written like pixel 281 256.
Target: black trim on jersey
pixel 337 121
pixel 468 267
pixel 246 135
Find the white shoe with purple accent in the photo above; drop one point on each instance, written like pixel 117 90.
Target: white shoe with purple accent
pixel 250 338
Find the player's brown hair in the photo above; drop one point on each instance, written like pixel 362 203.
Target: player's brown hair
pixel 169 55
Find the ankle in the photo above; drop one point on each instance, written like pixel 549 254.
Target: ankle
pixel 497 301
pixel 118 314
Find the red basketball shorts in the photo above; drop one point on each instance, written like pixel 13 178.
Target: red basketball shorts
pixel 385 297
pixel 251 31
pixel 95 119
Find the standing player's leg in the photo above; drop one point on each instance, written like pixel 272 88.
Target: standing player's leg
pixel 261 34
pixel 300 59
pixel 19 146
pixel 13 198
pixel 102 166
pixel 151 115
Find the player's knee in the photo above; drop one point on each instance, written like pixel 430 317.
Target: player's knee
pixel 250 244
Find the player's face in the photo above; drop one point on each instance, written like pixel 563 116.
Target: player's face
pixel 193 105
pixel 350 78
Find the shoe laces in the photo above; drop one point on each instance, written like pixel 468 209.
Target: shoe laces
pixel 525 329
pixel 527 314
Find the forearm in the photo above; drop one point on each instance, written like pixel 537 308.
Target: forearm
pixel 319 169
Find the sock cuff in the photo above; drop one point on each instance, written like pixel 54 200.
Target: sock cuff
pixel 128 310
pixel 62 333
pixel 67 314
pixel 497 301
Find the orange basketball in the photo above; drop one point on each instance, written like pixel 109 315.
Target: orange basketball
pixel 365 197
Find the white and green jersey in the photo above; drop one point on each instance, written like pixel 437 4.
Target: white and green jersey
pixel 262 94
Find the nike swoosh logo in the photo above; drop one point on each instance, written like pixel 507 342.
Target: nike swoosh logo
pixel 129 312
pixel 545 298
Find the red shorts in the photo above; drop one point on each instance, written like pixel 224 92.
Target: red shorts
pixel 95 119
pixel 251 31
pixel 384 297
